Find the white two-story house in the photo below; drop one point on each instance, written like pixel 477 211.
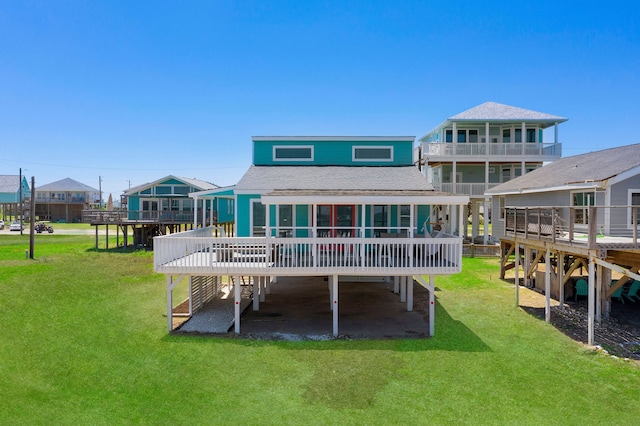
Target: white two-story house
pixel 482 147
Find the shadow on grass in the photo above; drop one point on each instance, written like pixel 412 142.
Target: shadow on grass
pixel 450 335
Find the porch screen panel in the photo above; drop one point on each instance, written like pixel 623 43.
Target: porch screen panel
pixel 258 219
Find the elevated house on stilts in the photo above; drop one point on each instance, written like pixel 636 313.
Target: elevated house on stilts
pixel 343 208
pixel 578 212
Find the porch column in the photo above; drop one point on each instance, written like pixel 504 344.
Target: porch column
pixel 523 138
pixel 204 212
pixel 409 293
pixel 267 221
pixel 403 289
pixel 486 133
pixel 195 212
pixel 454 180
pixel 236 289
pixel 526 265
pixel 396 285
pixel 555 133
pixel 591 300
pixel 487 207
pixel 547 286
pixel 335 305
pixel 475 219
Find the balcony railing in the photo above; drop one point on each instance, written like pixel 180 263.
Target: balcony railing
pixel 197 252
pixel 104 216
pixel 471 189
pixel 535 149
pixel 590 226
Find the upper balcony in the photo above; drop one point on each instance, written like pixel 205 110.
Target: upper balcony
pixel 198 252
pixel 514 151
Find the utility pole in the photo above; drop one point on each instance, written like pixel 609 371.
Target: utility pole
pixel 100 188
pixel 33 215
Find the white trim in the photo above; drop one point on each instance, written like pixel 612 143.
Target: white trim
pixel 378 160
pixel 624 175
pixel 630 192
pixel 332 138
pixel 568 187
pixel 251 204
pixel 277 147
pixel 365 199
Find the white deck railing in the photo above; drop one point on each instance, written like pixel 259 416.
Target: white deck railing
pixel 193 253
pixel 541 149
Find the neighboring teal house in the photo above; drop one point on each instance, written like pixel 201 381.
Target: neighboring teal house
pixel 342 207
pixel 168 200
pixel 10 195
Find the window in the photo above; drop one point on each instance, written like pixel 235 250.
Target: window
pixel 582 200
pixel 518 135
pixel 258 219
pixel 634 201
pixel 292 153
pixel 501 206
pixel 462 136
pixel 506 135
pixel 531 135
pixel 473 136
pixel 380 219
pixel 405 216
pixel 372 153
pixel 230 204
pixel 285 220
pixel 448 136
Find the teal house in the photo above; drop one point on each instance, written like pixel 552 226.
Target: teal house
pixel 342 207
pixel 167 200
pixel 11 191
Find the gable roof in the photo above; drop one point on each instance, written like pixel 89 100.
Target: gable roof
pixel 260 178
pixel 200 185
pixel 9 183
pixel 593 168
pixel 65 185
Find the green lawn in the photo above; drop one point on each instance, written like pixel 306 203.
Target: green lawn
pixel 84 341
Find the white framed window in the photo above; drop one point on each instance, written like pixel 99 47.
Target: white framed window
pixel 404 220
pixel 582 201
pixel 258 218
pixel 633 200
pixel 501 201
pixel 230 205
pixel 293 153
pixel 372 153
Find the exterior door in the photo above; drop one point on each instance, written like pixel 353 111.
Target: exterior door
pixel 149 209
pixel 336 220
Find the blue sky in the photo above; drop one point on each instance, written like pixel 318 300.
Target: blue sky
pixel 134 91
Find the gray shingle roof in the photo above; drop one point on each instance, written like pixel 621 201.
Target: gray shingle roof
pixel 67 184
pixel 595 166
pixel 337 178
pixel 9 183
pixel 493 111
pixel 200 185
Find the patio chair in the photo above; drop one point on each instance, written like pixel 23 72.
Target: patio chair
pixel 632 292
pixel 618 293
pixel 582 288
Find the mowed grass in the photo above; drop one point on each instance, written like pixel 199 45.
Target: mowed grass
pixel 83 341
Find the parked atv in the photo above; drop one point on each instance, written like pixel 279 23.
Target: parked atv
pixel 41 227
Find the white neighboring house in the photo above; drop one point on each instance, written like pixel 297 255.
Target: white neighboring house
pixel 485 146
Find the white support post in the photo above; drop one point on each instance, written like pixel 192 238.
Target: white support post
pixel 560 256
pixel 486 133
pixel 403 289
pixel 237 287
pixel 330 284
pixel 526 265
pixel 485 238
pixel 432 305
pixel 335 305
pixel 517 277
pixel 267 220
pixel 547 286
pixel 263 287
pixel 523 139
pixel 462 219
pixel 409 293
pixel 256 293
pixel 599 272
pixel 590 300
